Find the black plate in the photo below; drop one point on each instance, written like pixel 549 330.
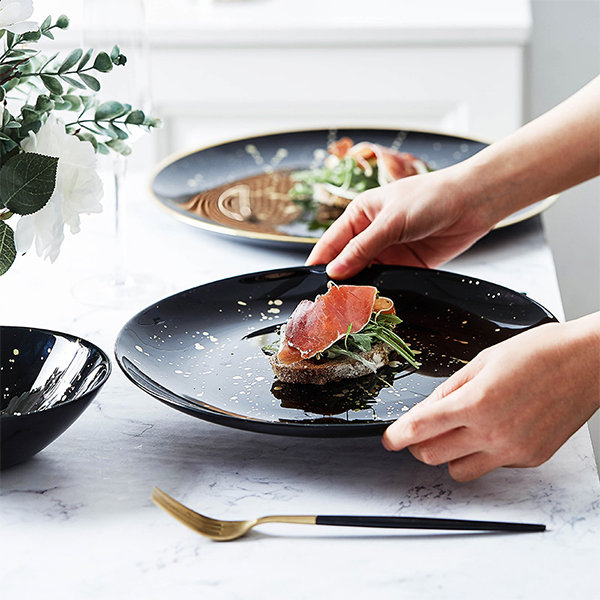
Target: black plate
pixel 199 351
pixel 240 188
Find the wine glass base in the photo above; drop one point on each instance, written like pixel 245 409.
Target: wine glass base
pixel 109 291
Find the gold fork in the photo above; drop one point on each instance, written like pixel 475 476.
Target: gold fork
pixel 220 530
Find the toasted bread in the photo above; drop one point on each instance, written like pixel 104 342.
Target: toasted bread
pixel 335 369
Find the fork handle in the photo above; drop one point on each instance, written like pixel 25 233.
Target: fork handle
pixel 426 523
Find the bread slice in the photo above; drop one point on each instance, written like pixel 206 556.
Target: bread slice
pixel 335 369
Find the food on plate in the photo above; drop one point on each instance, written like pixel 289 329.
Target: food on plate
pixel 345 333
pixel 350 169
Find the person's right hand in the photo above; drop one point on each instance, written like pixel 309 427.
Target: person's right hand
pixel 423 220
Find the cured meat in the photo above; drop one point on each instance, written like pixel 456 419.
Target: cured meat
pixel 314 326
pixel 391 165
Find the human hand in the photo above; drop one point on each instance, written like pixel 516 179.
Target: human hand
pixel 513 405
pixel 423 220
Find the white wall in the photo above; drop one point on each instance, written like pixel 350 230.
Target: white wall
pixel 564 55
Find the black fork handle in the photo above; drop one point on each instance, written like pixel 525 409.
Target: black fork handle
pixel 427 523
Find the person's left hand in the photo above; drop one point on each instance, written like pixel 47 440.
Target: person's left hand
pixel 513 405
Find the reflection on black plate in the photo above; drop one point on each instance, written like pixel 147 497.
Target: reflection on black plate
pixel 200 350
pixel 240 188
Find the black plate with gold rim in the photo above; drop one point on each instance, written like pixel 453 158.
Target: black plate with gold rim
pixel 199 351
pixel 240 188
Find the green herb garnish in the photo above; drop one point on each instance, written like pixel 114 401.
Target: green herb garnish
pixel 344 174
pixel 379 328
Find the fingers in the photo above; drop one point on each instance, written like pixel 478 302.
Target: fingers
pixel 362 248
pixel 454 382
pixel 356 238
pixel 352 222
pixel 444 448
pixel 439 413
pixel 473 466
pixel 427 420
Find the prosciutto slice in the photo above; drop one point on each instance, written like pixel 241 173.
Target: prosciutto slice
pixel 314 326
pixel 391 165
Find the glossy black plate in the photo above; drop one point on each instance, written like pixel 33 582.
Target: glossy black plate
pixel 240 188
pixel 199 351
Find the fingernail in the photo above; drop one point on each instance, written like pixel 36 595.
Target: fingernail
pixel 337 268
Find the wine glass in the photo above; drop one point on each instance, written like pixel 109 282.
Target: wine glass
pixel 128 84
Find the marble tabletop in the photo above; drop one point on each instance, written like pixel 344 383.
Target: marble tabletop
pixel 77 520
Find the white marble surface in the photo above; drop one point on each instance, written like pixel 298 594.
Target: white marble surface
pixel 77 520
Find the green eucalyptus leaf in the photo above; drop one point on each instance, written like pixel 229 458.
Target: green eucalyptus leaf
pixel 120 133
pixel 29 113
pixel 135 117
pixel 17 55
pixel 34 125
pixel 90 81
pixel 85 59
pixel 103 148
pixel 31 36
pixel 48 34
pixel 63 105
pixel 44 104
pixel 27 181
pixel 2 93
pixel 117 58
pixel 87 101
pixel 88 137
pixel 103 63
pixel 8 252
pixel 11 84
pixel 71 60
pixel 74 101
pixel 52 84
pixel 62 22
pixel 11 125
pixel 73 82
pixel 152 122
pixel 109 110
pixel 105 131
pixel 7 146
pixel 46 22
pixel 119 146
pixel 47 61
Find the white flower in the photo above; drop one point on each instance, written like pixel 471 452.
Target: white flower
pixel 78 190
pixel 13 14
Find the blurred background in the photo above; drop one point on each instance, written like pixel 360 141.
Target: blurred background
pixel 220 69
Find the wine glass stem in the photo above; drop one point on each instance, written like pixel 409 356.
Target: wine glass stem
pixel 119 171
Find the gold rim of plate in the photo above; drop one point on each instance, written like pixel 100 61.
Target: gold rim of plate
pixel 517 217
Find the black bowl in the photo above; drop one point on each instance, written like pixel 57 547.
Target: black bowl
pixel 48 379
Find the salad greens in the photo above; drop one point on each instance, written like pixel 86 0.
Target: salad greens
pixel 345 174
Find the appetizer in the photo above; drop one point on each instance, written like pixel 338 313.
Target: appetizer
pixel 345 333
pixel 351 169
